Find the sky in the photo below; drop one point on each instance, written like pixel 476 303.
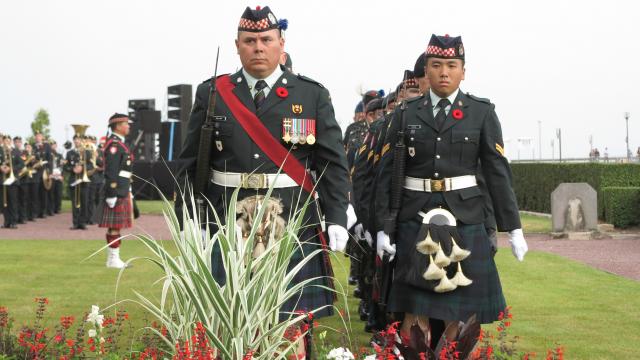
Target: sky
pixel 547 65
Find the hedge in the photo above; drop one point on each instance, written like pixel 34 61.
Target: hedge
pixel 534 182
pixel 622 205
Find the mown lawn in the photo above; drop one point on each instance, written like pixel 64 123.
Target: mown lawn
pixel 145 206
pixel 591 313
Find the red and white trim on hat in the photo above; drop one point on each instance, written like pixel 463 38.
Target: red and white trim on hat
pixel 263 24
pixel 436 50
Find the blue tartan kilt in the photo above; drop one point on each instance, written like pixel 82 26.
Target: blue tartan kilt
pixel 483 297
pixel 312 296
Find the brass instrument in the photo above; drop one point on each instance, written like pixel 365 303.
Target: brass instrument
pixel 12 178
pixel 27 169
pixel 80 131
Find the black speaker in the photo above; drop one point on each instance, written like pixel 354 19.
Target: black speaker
pixel 142 104
pixel 149 121
pixel 165 140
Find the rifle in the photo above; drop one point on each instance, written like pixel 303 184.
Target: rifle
pixel 397 184
pixel 204 148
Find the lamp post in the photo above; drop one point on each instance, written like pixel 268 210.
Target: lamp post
pixel 626 139
pixel 539 139
pixel 559 136
pixel 553 149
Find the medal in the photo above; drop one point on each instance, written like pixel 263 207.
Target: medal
pixel 311 139
pixel 286 129
pixel 303 132
pixel 295 139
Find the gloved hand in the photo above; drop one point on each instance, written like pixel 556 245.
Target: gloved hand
pixel 358 231
pixel 338 237
pixel 111 202
pixel 518 244
pixel 384 245
pixel 352 219
pixel 368 238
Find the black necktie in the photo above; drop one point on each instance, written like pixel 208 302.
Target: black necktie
pixel 258 99
pixel 441 116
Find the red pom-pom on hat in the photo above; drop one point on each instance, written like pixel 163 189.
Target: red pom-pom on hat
pixel 258 8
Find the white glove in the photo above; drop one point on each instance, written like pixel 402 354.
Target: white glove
pixel 111 202
pixel 338 237
pixel 352 219
pixel 518 244
pixel 358 231
pixel 384 245
pixel 368 238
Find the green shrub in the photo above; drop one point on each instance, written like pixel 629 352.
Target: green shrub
pixel 534 182
pixel 622 205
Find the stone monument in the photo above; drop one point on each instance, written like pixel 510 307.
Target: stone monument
pixel 574 210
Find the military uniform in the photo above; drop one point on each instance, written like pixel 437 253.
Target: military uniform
pixel 442 166
pixel 293 102
pixel 58 180
pixel 28 185
pixel 42 152
pixel 10 184
pixel 78 190
pixel 117 176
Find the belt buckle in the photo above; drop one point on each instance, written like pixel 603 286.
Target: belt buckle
pixel 437 185
pixel 253 181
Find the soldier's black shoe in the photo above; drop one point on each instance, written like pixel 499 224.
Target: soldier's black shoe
pixel 82 227
pixel 353 280
pixel 90 223
pixel 362 311
pixel 21 222
pixel 368 328
pixel 357 292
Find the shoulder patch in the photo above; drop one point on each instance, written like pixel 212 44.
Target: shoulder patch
pixel 500 149
pixel 307 79
pixel 483 100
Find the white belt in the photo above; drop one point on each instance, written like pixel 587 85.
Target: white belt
pixel 252 181
pixel 125 174
pixel 437 185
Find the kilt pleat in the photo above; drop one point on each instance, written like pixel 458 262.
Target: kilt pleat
pixel 483 297
pixel 118 217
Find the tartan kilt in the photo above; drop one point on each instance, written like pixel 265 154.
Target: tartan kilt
pixel 118 217
pixel 312 297
pixel 483 297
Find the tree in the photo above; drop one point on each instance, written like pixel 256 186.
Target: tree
pixel 40 123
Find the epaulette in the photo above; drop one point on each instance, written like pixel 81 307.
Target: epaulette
pixel 483 100
pixel 302 77
pixel 415 99
pixel 211 78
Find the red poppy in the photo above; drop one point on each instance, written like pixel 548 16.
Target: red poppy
pixel 282 92
pixel 457 114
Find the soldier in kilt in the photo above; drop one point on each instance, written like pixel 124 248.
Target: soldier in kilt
pixel 117 209
pixel 451 139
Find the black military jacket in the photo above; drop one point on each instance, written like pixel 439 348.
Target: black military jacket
pixel 234 151
pixel 73 159
pixel 42 152
pixel 471 145
pixel 118 166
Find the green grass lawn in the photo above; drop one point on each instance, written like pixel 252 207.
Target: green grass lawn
pixel 535 224
pixel 145 206
pixel 555 301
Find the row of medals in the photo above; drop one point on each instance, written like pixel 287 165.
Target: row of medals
pixel 296 138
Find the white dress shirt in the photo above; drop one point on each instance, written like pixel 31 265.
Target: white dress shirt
pixel 270 80
pixel 435 99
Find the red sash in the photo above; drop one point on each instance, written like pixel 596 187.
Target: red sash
pixel 262 137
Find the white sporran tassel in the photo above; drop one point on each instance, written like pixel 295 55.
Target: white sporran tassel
pixel 427 246
pixel 445 285
pixel 441 259
pixel 458 253
pixel 433 271
pixel 459 279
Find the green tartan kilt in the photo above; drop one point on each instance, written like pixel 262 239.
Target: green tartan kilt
pixel 483 297
pixel 312 296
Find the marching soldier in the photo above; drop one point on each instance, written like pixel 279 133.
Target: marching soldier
pixel 42 153
pixel 97 179
pixel 29 175
pixel 78 189
pixel 450 138
pixel 117 209
pixel 9 180
pixel 260 109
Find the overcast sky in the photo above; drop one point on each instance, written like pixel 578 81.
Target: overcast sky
pixel 569 64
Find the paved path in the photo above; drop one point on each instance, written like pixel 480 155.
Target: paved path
pixel 618 255
pixel 57 228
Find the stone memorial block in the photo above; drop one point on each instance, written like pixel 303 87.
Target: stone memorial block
pixel 574 208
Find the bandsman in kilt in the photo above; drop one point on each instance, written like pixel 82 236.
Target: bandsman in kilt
pixel 450 137
pixel 117 209
pixel 264 103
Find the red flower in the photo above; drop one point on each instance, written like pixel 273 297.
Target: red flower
pixel 457 114
pixel 282 92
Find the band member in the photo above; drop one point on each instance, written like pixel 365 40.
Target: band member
pixel 23 188
pixel 29 175
pixel 9 181
pixel 450 137
pixel 117 209
pixel 285 111
pixel 58 180
pixel 75 165
pixel 42 168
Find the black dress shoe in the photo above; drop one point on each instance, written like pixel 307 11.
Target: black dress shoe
pixel 82 227
pixel 368 328
pixel 362 311
pixel 357 292
pixel 40 216
pixel 73 228
pixel 353 280
pixel 21 222
pixel 31 219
